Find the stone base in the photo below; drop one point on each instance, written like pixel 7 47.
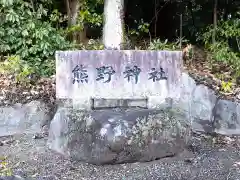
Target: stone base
pixel 118 135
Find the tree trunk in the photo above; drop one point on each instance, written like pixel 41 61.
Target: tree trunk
pixel 73 8
pixel 214 21
pixel 113 33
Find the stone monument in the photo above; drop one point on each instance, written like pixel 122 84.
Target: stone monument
pixel 123 129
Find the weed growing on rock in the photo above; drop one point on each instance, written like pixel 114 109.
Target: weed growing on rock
pixel 4 169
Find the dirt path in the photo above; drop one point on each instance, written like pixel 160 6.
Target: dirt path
pixel 29 157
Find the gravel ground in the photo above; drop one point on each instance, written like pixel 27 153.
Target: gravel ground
pixel 203 160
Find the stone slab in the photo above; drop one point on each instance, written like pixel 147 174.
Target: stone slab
pixel 117 74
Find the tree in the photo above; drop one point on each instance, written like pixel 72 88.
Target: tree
pixel 214 21
pixel 113 24
pixel 73 8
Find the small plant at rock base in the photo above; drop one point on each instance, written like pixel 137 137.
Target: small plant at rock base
pixel 4 170
pixel 226 86
pixel 157 44
pixel 92 44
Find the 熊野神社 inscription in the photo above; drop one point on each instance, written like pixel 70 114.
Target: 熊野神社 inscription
pixel 117 74
pixel 104 74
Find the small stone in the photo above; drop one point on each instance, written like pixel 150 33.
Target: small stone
pixel 238 96
pixel 20 174
pixel 37 136
pixel 9 141
pixel 71 168
pixel 34 92
pixel 44 130
pixel 189 160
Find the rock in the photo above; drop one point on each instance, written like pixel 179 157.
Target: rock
pixel 27 118
pixel 197 102
pixel 12 178
pixel 44 131
pixel 118 136
pixel 183 101
pixel 238 96
pixel 202 103
pixel 187 87
pixel 47 178
pixel 227 117
pixel 38 136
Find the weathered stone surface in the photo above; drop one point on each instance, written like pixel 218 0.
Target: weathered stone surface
pixel 204 111
pixel 202 103
pixel 11 178
pixel 117 135
pixel 227 117
pixel 185 96
pixel 24 118
pixel 151 75
pixel 16 175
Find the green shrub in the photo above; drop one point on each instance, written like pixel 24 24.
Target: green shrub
pixel 15 66
pixel 157 44
pixel 92 45
pixel 222 50
pixel 27 32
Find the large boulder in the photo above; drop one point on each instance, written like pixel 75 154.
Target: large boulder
pixel 202 103
pixel 227 117
pixel 197 101
pixel 118 135
pixel 24 118
pixel 207 112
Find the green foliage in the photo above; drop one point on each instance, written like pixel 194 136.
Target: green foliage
pixel 15 66
pixel 157 44
pixel 225 29
pixel 92 45
pixel 142 28
pixel 4 169
pixel 226 86
pixel 222 51
pixel 26 31
pixel 89 14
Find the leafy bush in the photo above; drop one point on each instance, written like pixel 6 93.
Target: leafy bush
pixel 91 45
pixel 142 28
pixel 26 31
pixel 222 50
pixel 15 66
pixel 157 44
